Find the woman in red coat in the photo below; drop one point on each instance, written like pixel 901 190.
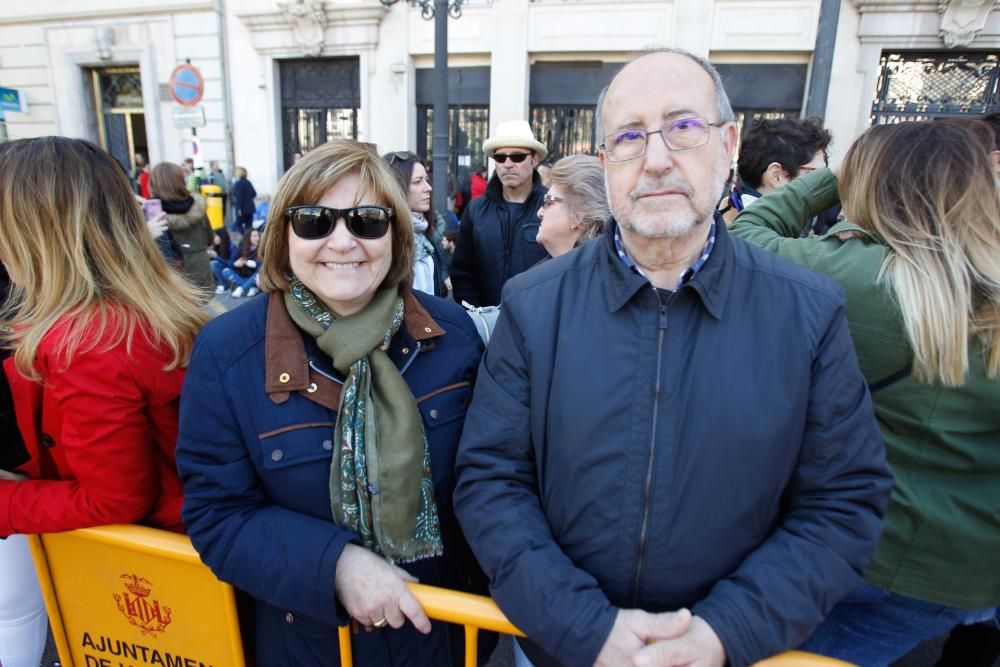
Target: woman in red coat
pixel 100 330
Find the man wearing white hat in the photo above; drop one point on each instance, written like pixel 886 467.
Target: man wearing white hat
pixel 497 237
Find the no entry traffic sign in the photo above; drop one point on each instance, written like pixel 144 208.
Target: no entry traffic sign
pixel 186 85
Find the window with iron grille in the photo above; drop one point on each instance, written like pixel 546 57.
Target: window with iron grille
pixel 922 86
pixel 468 128
pixel 320 100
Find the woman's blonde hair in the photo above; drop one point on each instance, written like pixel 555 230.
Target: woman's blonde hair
pixel 166 181
pixel 76 245
pixel 306 183
pixel 580 179
pixel 927 190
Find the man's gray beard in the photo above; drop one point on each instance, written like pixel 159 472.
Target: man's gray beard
pixel 677 227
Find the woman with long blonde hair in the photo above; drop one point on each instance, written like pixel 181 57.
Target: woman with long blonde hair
pixel 919 260
pixel 101 330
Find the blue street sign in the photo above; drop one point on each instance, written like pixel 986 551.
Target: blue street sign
pixel 11 100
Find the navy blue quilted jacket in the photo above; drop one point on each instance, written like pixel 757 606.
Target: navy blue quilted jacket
pixel 254 451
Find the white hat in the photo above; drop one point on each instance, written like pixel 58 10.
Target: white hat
pixel 514 134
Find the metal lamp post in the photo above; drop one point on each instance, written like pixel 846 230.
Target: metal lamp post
pixel 439 10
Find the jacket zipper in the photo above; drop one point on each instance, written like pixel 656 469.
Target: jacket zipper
pixel 409 361
pixel 644 526
pixel 324 374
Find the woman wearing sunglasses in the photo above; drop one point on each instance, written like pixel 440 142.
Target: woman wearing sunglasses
pixel 575 208
pixel 322 481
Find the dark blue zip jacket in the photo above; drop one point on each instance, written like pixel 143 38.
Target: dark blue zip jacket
pixel 715 449
pixel 492 247
pixel 256 438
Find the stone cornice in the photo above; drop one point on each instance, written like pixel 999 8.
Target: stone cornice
pixel 896 5
pixel 104 11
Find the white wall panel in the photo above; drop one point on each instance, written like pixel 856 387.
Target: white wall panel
pixel 775 25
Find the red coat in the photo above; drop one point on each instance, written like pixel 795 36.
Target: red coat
pixel 101 434
pixel 477 185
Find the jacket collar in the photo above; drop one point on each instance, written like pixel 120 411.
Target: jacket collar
pixel 286 363
pixel 494 189
pixel 711 283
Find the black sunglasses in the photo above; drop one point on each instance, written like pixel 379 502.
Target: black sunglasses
pixel 316 222
pixel 516 158
pixel 402 156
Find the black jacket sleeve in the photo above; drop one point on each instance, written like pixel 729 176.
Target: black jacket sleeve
pixel 464 277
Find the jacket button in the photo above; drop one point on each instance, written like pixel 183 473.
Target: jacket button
pixel 406 350
pixel 312 388
pixel 328 445
pixel 434 414
pixel 284 378
pixel 47 440
pixel 289 618
pixel 277 455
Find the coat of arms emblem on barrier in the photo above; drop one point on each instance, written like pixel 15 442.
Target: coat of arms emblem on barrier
pixel 142 611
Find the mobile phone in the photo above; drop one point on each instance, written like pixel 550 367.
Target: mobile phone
pixel 152 208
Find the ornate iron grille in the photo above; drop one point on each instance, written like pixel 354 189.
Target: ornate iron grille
pixel 564 130
pixel 921 86
pixel 120 88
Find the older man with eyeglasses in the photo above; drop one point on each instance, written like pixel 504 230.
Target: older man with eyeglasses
pixel 496 239
pixel 671 456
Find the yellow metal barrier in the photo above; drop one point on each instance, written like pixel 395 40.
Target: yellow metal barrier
pixel 477 612
pixel 213 205
pixel 134 595
pixel 143 594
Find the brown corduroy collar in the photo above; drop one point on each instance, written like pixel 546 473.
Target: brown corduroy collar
pixel 286 365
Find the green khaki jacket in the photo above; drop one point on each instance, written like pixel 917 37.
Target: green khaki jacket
pixel 942 531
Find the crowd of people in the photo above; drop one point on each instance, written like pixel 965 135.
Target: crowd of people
pixel 717 418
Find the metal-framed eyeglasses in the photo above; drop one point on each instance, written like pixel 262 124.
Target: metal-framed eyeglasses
pixel 678 135
pixel 548 200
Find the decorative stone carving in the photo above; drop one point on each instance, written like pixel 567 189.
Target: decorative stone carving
pixel 355 24
pixel 104 40
pixel 962 20
pixel 308 21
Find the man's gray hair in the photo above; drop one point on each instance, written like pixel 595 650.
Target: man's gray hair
pixel 722 105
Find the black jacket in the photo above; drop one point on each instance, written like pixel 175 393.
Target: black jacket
pixel 491 248
pixel 13 453
pixel 712 448
pixel 243 194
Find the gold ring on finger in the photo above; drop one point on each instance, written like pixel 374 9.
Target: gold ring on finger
pixel 380 623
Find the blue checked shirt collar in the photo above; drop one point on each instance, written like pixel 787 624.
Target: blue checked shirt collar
pixel 687 274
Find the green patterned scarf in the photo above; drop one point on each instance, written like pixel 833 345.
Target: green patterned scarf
pixel 380 478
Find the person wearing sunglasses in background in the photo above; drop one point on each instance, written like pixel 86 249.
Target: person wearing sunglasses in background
pixel 322 481
pixel 496 239
pixel 430 273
